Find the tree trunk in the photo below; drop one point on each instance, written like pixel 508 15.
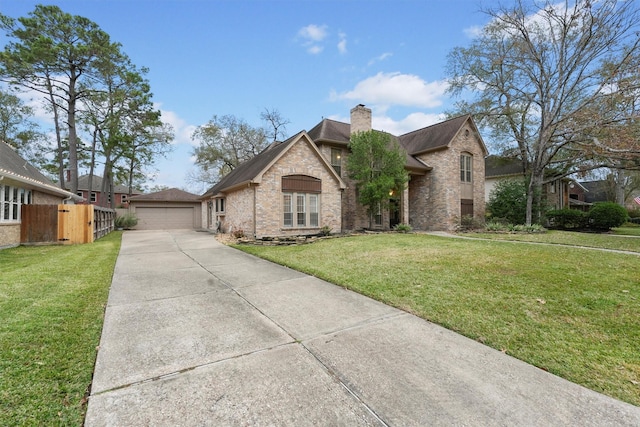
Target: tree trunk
pixel 56 123
pixel 73 138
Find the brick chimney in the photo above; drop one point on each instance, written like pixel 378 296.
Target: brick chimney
pixel 360 119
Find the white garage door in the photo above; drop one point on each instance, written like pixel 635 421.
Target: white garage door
pixel 164 218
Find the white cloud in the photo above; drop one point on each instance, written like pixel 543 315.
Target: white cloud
pixel 410 123
pixel 315 49
pixel 311 37
pixel 387 89
pixel 342 44
pixel 181 129
pixel 380 58
pixel 473 31
pixel 312 32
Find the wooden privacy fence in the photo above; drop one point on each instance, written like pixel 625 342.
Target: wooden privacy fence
pixel 68 224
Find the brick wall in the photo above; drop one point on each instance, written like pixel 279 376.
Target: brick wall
pixel 40 198
pixel 9 235
pixel 300 159
pixel 443 201
pixel 239 212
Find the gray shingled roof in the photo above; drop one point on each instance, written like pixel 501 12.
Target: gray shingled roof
pixel 432 137
pixel 16 167
pixel 495 166
pixel 11 161
pixel 335 132
pixel 169 195
pixel 331 131
pixel 422 140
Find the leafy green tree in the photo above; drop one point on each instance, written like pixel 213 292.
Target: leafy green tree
pixel 53 52
pixel 508 201
pixel 17 129
pixel 376 164
pixel 542 73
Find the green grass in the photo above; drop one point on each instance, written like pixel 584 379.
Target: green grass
pixel 632 230
pixel 619 239
pixel 52 301
pixel 570 311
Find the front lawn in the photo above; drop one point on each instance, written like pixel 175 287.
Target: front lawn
pixel 619 239
pixel 52 301
pixel 570 311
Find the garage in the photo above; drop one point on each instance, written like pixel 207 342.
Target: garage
pixel 166 210
pixel 164 218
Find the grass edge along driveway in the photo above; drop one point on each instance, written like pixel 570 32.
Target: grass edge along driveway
pixel 570 311
pixel 52 302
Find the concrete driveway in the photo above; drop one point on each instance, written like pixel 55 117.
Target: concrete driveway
pixel 197 333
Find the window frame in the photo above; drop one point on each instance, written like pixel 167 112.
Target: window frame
pixel 301 210
pixel 336 160
pixel 220 205
pixel 466 168
pixel 11 200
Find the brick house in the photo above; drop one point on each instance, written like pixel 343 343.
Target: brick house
pixel 556 193
pixel 273 193
pixel 96 197
pixel 288 189
pixel 21 184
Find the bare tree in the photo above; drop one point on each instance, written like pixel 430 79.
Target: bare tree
pixel 543 74
pixel 276 123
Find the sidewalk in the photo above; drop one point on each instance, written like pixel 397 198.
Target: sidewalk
pixel 197 333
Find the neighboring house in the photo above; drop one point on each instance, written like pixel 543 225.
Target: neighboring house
pixel 555 193
pixel 96 197
pixel 167 209
pixel 287 189
pixel 22 184
pixel 301 185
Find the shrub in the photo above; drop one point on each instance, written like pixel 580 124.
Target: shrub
pixel 508 200
pixel 325 231
pixel 607 215
pixel 496 226
pixel 469 222
pixel 127 220
pixel 530 229
pixel 402 228
pixel 567 218
pixel 238 234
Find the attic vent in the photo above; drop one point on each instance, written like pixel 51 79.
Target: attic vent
pixel 301 184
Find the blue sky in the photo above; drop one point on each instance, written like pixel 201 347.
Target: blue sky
pixel 308 59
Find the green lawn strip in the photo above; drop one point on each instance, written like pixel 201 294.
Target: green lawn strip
pixel 628 230
pixel 591 240
pixel 570 311
pixel 52 301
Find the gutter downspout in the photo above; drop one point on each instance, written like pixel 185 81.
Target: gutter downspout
pixel 254 211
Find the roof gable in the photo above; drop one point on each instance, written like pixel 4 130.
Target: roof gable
pixel 251 171
pixel 438 136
